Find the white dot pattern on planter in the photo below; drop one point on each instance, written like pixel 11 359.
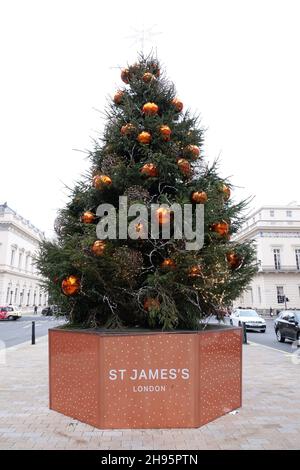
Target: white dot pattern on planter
pixel 146 402
pixel 74 375
pixel 220 373
pixel 139 380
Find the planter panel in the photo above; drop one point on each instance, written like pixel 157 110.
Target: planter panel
pixel 158 371
pixel 74 375
pixel 220 374
pixel 145 379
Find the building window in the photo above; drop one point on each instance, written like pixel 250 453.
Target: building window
pixel 8 292
pixel 280 294
pixel 250 291
pixel 26 263
pixel 272 213
pixel 276 253
pixel 289 213
pixel 20 261
pixel 259 294
pixel 22 294
pixel 12 257
pixel 28 298
pixel 16 296
pixel 297 253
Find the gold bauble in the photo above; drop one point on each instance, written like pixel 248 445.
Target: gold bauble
pixel 88 217
pixel 98 247
pixel 101 181
pixel 71 285
pixel 200 197
pixel 144 138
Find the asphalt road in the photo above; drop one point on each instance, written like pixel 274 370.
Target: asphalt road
pixel 269 338
pixel 16 332
pixel 19 331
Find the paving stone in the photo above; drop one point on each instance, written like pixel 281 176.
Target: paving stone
pixel 269 418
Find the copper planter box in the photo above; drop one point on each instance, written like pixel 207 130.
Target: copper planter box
pixel 145 379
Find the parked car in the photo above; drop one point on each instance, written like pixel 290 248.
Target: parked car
pixel 287 325
pixel 9 313
pixel 250 317
pixel 50 310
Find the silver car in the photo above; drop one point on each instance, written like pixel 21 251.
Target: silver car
pixel 250 317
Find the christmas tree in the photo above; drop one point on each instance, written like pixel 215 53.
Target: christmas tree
pixel 151 153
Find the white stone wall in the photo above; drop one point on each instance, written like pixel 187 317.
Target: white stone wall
pixel 267 284
pixel 19 280
pixel 273 228
pixel 286 245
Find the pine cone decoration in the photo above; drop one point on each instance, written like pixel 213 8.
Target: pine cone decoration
pixel 110 163
pixel 129 264
pixel 137 193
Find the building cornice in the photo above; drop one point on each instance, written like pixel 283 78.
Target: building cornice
pixel 274 207
pixel 258 228
pixel 11 272
pixel 12 226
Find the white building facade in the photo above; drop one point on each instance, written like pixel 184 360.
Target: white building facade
pixel 276 232
pixel 19 280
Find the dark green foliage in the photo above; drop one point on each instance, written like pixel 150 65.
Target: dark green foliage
pixel 114 286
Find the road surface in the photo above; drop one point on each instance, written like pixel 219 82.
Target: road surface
pixel 269 338
pixel 16 332
pixel 19 331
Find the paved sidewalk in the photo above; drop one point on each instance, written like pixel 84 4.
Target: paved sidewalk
pixel 269 418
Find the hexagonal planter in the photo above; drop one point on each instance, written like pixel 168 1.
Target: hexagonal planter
pixel 145 379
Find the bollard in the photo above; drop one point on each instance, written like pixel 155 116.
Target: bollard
pixel 33 333
pixel 244 333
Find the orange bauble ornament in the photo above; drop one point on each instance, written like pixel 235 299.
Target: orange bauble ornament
pixel 118 97
pixel 144 137
pixel 128 129
pixel 150 303
pixel 70 285
pixel 233 260
pixel 163 215
pixel 88 217
pixel 195 271
pixel 149 169
pixel 168 263
pixel 222 228
pixel 200 197
pixel 148 77
pixel 226 192
pixel 184 166
pixel 101 181
pixel 125 75
pixel 150 109
pixel 165 132
pixel 193 151
pixel 98 247
pixel 178 105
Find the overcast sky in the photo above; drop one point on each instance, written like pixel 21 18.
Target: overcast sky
pixel 234 61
